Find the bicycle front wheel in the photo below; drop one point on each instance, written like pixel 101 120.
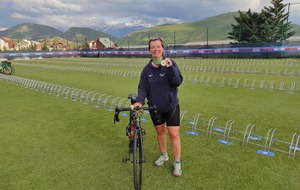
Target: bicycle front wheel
pixel 138 159
pixel 7 70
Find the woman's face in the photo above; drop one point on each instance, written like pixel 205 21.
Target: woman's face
pixel 156 50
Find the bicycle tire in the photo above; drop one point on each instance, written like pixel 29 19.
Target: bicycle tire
pixel 12 70
pixel 7 70
pixel 138 159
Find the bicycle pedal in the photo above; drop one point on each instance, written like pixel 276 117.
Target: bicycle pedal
pixel 125 159
pixel 143 131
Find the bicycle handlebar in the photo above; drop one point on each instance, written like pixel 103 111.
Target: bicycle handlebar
pixel 3 63
pixel 118 110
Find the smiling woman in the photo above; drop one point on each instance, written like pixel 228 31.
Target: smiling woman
pixel 159 85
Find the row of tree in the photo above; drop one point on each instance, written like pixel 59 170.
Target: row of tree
pixel 271 25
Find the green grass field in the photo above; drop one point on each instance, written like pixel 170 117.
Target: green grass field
pixel 52 142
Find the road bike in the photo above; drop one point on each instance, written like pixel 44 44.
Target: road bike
pixel 135 134
pixel 7 68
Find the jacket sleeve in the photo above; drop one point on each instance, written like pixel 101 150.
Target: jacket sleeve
pixel 142 88
pixel 175 77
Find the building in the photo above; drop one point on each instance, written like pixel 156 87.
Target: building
pixel 27 45
pixel 6 44
pixel 59 44
pixel 102 43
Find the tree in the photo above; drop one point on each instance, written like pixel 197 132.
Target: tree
pixel 276 26
pixel 248 27
pixel 268 26
pixel 45 46
pixel 31 48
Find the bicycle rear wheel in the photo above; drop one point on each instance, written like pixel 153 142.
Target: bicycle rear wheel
pixel 12 70
pixel 138 159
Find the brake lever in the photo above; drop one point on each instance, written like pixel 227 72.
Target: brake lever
pixel 116 116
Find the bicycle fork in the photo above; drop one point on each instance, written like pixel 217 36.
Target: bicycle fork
pixel 140 133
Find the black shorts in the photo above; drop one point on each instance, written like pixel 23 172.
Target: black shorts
pixel 171 117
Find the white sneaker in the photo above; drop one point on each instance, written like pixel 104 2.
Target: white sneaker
pixel 161 160
pixel 177 172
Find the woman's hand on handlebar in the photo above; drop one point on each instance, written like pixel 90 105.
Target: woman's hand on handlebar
pixel 137 105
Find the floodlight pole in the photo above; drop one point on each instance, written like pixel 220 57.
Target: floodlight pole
pixel 128 42
pixel 174 41
pixel 287 19
pixel 207 43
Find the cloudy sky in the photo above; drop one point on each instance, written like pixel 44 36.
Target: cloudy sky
pixel 63 14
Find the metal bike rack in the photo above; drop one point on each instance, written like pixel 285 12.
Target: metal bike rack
pixel 99 100
pixel 87 97
pixel 120 104
pixel 66 91
pixel 251 134
pixel 94 97
pixel 223 81
pixel 272 84
pixel 292 89
pixel 210 125
pixel 105 101
pixel 82 95
pixel 183 114
pixel 294 146
pixel 50 88
pixel 113 103
pixel 55 89
pixel 213 127
pixel 73 93
pixel 262 84
pixel 281 87
pixel 76 94
pixel 237 82
pixel 194 124
pixel 253 84
pixel 44 86
pixel 268 144
pixel 245 84
pixel 227 131
pixel 60 90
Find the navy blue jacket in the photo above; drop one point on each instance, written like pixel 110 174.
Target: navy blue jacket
pixel 159 86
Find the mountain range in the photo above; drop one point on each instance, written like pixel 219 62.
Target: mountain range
pixel 214 28
pixel 119 30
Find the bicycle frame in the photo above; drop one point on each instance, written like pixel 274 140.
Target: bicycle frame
pixel 135 133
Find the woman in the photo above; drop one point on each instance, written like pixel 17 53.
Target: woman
pixel 159 83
